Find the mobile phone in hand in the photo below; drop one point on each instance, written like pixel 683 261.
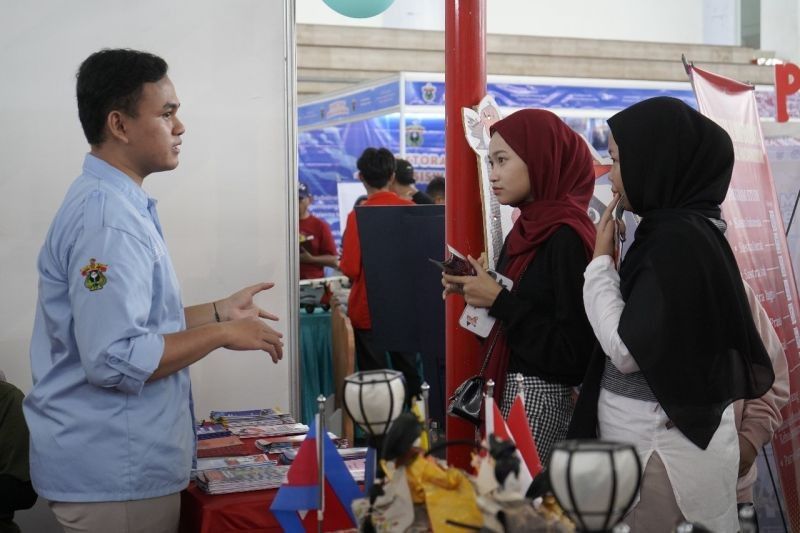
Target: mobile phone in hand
pixel 455 264
pixel 619 210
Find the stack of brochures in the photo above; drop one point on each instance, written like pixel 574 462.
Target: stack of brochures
pixel 288 456
pixel 241 478
pixel 280 443
pixel 212 431
pixel 222 416
pixel 253 417
pixel 255 423
pixel 233 462
pixel 224 466
pixel 352 453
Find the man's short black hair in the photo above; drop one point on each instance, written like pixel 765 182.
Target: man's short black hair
pixel 111 80
pixel 435 186
pixel 404 172
pixel 376 166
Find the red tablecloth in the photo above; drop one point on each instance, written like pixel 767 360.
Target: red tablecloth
pixel 226 513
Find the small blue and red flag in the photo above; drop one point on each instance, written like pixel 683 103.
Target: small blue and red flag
pixel 297 503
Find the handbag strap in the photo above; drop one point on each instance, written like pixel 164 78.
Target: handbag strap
pixel 489 352
pixel 497 331
pixel 500 326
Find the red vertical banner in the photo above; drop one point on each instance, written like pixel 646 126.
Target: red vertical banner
pixel 757 236
pixel 465 85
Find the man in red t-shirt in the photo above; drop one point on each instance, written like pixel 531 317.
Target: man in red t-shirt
pixel 317 248
pixel 376 168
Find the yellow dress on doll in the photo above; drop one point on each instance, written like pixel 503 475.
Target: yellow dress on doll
pixel 447 493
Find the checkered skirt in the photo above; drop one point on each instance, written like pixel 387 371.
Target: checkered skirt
pixel 548 406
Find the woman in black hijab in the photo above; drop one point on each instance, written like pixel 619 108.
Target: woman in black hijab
pixel 675 326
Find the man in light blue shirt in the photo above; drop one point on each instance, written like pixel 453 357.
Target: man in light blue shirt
pixel 110 414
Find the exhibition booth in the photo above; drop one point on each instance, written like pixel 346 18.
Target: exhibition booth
pixel 405 113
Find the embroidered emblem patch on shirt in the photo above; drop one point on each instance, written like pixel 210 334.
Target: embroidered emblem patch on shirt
pixel 93 272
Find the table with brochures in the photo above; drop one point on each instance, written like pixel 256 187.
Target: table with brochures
pixel 243 459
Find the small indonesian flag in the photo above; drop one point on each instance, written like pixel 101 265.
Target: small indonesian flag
pixel 523 436
pixel 495 425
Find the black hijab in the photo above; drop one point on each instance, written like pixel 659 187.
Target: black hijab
pixel 686 321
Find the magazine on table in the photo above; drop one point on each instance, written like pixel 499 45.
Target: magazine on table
pixel 269 430
pixel 270 420
pixel 280 443
pixel 289 455
pixel 232 462
pixel 251 417
pixel 352 453
pixel 212 431
pixel 250 413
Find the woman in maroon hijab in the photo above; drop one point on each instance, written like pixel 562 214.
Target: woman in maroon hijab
pixel 545 169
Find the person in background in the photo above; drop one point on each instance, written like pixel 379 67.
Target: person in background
pixel 436 190
pixel 404 184
pixel 757 419
pixel 16 490
pixel 541 166
pixel 110 413
pixel 317 247
pixel 679 343
pixel 376 168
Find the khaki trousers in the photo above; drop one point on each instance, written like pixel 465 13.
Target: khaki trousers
pixel 153 515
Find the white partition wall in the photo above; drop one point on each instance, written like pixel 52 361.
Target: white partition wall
pixel 229 209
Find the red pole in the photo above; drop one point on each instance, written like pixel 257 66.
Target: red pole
pixel 465 85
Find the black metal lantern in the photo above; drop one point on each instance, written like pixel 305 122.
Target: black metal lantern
pixel 595 482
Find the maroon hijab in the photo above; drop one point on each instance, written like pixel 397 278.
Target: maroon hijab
pixel 561 173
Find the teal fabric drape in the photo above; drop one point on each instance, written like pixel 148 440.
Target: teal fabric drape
pixel 316 367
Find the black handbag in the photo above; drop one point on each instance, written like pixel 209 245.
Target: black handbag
pixel 467 400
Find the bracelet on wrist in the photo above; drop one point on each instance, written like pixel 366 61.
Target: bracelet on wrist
pixel 216 314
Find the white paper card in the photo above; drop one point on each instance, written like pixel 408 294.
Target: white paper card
pixel 477 319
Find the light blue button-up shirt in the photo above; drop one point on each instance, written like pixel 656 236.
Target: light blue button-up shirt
pixel 107 295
